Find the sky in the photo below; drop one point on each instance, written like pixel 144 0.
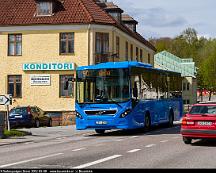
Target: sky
pixel 168 18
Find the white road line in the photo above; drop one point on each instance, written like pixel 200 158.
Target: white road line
pixel 176 137
pixel 79 149
pixel 29 143
pixel 134 137
pixel 30 160
pixel 164 141
pixel 97 161
pixel 150 145
pixel 133 151
pixel 119 140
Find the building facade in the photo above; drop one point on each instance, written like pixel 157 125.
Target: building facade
pixel 42 42
pixel 188 70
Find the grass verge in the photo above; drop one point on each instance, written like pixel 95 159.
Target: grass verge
pixel 15 133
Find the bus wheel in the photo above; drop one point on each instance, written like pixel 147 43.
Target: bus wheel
pixel 171 118
pixel 100 131
pixel 147 122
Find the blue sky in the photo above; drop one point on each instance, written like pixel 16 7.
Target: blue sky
pixel 168 18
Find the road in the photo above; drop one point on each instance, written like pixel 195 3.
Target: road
pixel 159 148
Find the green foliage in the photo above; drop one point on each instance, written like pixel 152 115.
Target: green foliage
pixel 14 133
pixel 202 50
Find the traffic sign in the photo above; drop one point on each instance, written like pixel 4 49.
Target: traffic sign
pixel 4 100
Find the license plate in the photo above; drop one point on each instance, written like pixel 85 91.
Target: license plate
pixel 101 122
pixel 204 123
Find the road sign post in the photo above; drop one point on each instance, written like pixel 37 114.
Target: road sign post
pixel 6 100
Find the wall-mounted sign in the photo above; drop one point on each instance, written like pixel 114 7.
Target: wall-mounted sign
pixel 48 66
pixel 40 80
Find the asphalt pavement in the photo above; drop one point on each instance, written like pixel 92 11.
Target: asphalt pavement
pixel 71 149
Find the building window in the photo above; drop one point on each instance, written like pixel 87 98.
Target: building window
pixel 15 44
pixel 102 47
pixel 126 51
pixel 116 15
pixel 131 52
pixel 149 58
pixel 184 86
pixel 117 47
pixel 141 55
pixel 67 86
pixel 15 85
pixel 44 8
pixel 137 53
pixel 67 43
pixel 188 86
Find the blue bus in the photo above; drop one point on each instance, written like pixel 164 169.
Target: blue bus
pixel 126 95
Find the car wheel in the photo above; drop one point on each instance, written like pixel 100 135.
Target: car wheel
pixel 37 123
pixel 171 118
pixel 187 140
pixel 100 131
pixel 147 122
pixel 50 123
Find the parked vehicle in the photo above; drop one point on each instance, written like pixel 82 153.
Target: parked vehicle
pixel 31 116
pixel 199 123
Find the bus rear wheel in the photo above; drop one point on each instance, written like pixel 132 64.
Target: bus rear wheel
pixel 147 122
pixel 100 131
pixel 171 118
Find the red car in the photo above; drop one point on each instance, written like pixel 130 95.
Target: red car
pixel 199 123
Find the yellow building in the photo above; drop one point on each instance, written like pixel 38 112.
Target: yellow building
pixel 42 42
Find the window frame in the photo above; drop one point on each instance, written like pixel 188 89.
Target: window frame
pixel 14 95
pixel 149 58
pixel 126 51
pixel 50 8
pixel 67 43
pixel 15 43
pixel 73 88
pixel 117 46
pixel 131 52
pixel 141 55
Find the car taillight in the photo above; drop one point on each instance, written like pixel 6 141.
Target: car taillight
pixel 29 110
pixel 188 122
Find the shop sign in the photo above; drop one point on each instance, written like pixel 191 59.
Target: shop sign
pixel 48 66
pixel 40 80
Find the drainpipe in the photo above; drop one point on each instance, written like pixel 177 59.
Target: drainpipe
pixel 89 39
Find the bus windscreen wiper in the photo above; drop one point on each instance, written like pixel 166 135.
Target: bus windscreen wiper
pixel 113 101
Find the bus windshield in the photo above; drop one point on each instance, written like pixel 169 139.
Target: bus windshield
pixel 103 86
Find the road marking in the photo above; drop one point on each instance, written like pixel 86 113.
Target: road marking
pixel 79 149
pixel 29 143
pixel 30 160
pixel 150 145
pixel 97 161
pixel 134 137
pixel 164 141
pixel 176 137
pixel 133 151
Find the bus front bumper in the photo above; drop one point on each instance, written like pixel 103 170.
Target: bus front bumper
pixel 106 124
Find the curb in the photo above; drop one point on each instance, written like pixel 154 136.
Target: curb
pixel 13 143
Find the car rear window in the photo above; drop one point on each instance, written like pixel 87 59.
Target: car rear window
pixel 203 110
pixel 19 111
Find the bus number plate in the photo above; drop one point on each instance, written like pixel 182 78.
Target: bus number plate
pixel 101 122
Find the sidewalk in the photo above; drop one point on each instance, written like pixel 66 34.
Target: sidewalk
pixel 42 134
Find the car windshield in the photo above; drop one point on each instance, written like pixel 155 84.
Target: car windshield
pixel 211 110
pixel 18 111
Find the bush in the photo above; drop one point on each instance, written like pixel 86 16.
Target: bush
pixel 15 133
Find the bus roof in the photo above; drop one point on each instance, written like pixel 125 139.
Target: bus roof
pixel 123 64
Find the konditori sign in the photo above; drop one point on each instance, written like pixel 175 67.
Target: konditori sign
pixel 48 66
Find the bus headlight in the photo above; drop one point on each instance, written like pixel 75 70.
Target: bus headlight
pixel 78 115
pixel 125 113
